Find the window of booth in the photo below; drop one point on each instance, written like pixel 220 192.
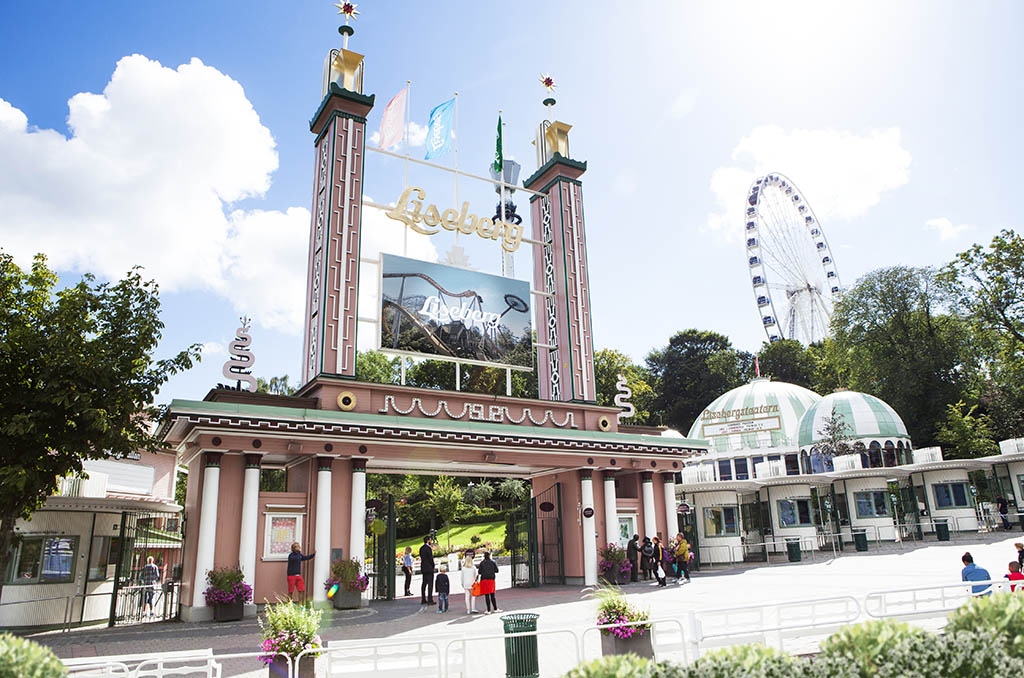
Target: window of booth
pixel 43 560
pixel 721 521
pixel 951 495
pixel 724 469
pixel 103 558
pixel 281 531
pixel 741 470
pixel 795 513
pixel 792 465
pixel 873 504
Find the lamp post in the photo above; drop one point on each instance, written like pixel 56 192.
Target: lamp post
pixel 506 209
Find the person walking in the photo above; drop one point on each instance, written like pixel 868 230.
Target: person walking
pixel 488 571
pixel 633 556
pixel 443 586
pixel 468 578
pixel 149 577
pixel 682 558
pixel 296 584
pixel 427 572
pixel 407 569
pixel 1003 508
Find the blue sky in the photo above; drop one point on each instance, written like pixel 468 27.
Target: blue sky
pixel 898 121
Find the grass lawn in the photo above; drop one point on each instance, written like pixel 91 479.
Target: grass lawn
pixel 460 536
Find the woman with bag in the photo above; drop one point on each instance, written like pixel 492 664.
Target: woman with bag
pixel 468 580
pixel 488 571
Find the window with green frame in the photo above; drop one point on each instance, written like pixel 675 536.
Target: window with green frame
pixel 721 521
pixel 43 560
pixel 873 504
pixel 951 495
pixel 795 513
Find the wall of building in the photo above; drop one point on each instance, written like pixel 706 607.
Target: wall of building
pixel 715 549
pixel 778 493
pixel 963 519
pixel 877 528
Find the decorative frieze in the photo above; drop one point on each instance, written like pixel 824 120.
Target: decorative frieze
pixel 496 414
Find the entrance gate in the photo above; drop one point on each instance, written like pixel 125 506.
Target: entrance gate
pixel 145 534
pixel 521 535
pixel 548 525
pixel 382 537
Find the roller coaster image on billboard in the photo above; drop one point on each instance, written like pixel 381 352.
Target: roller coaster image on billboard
pixel 454 313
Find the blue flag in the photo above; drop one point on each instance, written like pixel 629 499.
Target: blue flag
pixel 439 131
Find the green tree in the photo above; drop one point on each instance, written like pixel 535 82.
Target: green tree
pixel 608 365
pixel 787 360
pixel 831 371
pixel 276 385
pixel 479 494
pixel 687 376
pixel 514 490
pixel 835 435
pixel 79 380
pixel 445 497
pixel 964 435
pixel 377 368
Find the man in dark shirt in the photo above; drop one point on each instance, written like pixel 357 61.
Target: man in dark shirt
pixel 633 556
pixel 427 572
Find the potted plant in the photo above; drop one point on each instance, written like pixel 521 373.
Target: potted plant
pixel 625 628
pixel 288 629
pixel 612 564
pixel 346 584
pixel 227 593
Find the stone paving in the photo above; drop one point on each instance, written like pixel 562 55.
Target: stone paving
pixel 852 573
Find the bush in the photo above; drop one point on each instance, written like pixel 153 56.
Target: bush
pixel 749 661
pixel 21 658
pixel 865 646
pixel 1000 616
pixel 614 666
pixel 958 655
pixel 613 608
pixel 288 628
pixel 226 585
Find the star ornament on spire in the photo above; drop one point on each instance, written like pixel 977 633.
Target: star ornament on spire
pixel 348 9
pixel 548 82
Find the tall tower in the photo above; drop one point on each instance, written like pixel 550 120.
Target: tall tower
pixel 566 372
pixel 339 125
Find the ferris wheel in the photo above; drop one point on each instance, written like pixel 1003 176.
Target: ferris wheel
pixel 792 269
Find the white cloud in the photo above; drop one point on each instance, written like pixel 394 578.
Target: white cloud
pixel 945 227
pixel 417 136
pixel 684 103
pixel 211 348
pixel 842 174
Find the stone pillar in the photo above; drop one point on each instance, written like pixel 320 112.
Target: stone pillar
pixel 589 534
pixel 611 513
pixel 650 519
pixel 207 535
pixel 671 521
pixel 357 532
pixel 250 518
pixel 322 535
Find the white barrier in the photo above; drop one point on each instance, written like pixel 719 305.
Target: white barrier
pixel 929 601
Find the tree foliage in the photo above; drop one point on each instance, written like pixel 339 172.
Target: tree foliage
pixel 275 385
pixel 787 360
pixel 964 435
pixel 835 435
pixel 79 379
pixel 608 365
pixel 376 368
pixel 445 497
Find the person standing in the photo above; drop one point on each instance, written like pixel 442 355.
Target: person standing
pixel 682 558
pixel 633 556
pixel 468 578
pixel 407 569
pixel 1003 508
pixel 1014 574
pixel 443 586
pixel 658 560
pixel 149 577
pixel 295 582
pixel 488 571
pixel 646 554
pixel 427 572
pixel 972 572
pixel 1020 554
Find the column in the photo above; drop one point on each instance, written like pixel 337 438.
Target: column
pixel 357 531
pixel 250 518
pixel 589 534
pixel 671 521
pixel 611 512
pixel 207 535
pixel 322 535
pixel 650 519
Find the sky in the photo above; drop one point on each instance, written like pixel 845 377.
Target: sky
pixel 176 137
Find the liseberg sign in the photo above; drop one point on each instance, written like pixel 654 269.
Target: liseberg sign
pixel 454 313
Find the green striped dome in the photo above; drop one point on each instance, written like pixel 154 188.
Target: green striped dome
pixel 757 415
pixel 868 416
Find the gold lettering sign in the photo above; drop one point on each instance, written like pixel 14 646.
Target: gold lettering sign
pixel 430 220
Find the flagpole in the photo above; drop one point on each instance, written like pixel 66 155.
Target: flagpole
pixel 456 160
pixel 501 191
pixel 405 163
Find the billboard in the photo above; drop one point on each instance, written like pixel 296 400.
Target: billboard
pixel 455 314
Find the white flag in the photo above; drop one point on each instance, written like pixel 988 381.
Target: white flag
pixel 392 122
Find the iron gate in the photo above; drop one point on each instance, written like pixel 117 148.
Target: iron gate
pixel 139 593
pixel 380 514
pixel 521 534
pixel 548 526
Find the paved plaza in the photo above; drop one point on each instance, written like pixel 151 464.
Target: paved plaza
pixel 891 566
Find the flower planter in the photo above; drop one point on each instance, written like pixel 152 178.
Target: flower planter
pixel 639 644
pixel 347 600
pixel 223 612
pixel 279 668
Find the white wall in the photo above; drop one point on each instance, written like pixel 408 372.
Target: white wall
pixel 780 492
pixel 715 549
pixel 877 528
pixel 966 519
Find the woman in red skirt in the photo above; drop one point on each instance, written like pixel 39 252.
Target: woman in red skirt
pixel 488 570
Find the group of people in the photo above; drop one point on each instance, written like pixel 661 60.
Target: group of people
pixel 484 576
pixel 659 560
pixel 974 572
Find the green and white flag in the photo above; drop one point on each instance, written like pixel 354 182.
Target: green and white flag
pixel 499 160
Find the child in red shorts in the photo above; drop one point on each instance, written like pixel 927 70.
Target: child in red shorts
pixel 295 581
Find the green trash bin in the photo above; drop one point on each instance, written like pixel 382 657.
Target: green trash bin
pixel 521 660
pixel 942 529
pixel 860 539
pixel 793 549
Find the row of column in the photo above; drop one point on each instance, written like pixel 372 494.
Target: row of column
pixel 612 515
pixel 207 532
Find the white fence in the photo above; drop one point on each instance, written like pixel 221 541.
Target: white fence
pixel 795 626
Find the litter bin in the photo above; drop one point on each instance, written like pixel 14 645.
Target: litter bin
pixel 942 529
pixel 793 549
pixel 521 659
pixel 860 539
